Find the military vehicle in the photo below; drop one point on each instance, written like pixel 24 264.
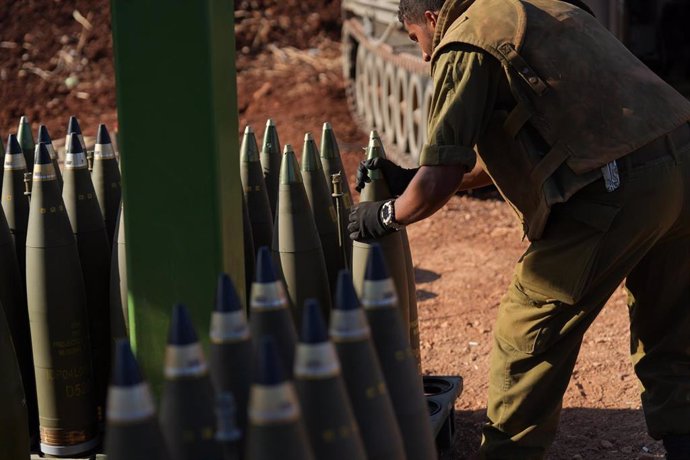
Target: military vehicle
pixel 388 84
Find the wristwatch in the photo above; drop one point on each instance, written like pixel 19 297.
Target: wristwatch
pixel 387 216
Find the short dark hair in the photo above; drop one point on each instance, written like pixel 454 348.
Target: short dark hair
pixel 413 10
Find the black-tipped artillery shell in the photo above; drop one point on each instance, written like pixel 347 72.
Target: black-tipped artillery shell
pixel 107 181
pixel 94 255
pixel 59 321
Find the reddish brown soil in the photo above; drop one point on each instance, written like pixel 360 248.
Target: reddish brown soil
pixel 463 255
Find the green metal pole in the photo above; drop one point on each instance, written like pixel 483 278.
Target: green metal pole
pixel 177 110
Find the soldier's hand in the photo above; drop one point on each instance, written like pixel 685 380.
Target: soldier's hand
pixel 397 177
pixel 364 221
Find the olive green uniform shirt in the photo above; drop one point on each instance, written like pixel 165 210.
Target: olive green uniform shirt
pixel 466 88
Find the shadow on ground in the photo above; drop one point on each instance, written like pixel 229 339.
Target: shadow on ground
pixel 422 275
pixel 586 434
pixel 423 295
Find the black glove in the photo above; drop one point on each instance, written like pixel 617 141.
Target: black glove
pixel 365 223
pixel 397 178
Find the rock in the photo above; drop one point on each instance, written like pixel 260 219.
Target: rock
pixel 606 444
pixel 627 450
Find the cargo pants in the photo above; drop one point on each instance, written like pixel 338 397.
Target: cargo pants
pixel 591 244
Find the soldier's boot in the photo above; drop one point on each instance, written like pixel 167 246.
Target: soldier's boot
pixel 677 446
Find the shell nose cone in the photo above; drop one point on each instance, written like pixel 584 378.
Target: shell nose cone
pixel 289 167
pixel 73 144
pixel 103 137
pixel 313 327
pixel 43 135
pixel 126 371
pixel 269 368
pixel 310 155
pixel 13 147
pixel 265 272
pixel 181 328
pixel 226 295
pixel 73 125
pixel 345 295
pixel 376 265
pixel 42 155
pixel 249 150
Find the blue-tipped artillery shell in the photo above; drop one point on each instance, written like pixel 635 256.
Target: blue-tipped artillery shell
pixel 187 416
pixel 398 363
pixel 270 315
pixel 132 431
pixel 366 387
pixel 328 415
pixel 275 426
pixel 231 349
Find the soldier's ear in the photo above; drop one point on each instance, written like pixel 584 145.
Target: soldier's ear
pixel 431 17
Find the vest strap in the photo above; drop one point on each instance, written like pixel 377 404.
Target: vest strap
pixel 517 118
pixel 550 163
pixel 513 58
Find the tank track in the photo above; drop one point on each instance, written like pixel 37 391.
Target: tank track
pixel 388 91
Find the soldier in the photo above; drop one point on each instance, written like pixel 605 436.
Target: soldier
pixel 592 150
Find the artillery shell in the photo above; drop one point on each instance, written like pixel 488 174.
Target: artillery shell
pixel 59 321
pixel 132 427
pixel 255 194
pixel 275 429
pixel 328 416
pixel 296 241
pixel 94 254
pixel 187 416
pixel 106 181
pixel 363 377
pixel 270 163
pixel 397 360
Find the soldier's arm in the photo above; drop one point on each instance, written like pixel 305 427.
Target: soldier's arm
pixel 465 92
pixel 430 189
pixel 477 178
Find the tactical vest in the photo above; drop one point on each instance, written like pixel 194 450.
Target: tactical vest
pixel 588 98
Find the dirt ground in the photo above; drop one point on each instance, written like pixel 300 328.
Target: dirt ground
pixel 52 65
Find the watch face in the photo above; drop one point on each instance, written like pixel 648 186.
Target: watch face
pixel 386 212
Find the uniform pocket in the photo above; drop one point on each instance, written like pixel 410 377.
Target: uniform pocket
pixel 558 266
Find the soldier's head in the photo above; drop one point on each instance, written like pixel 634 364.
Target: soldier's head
pixel 419 18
